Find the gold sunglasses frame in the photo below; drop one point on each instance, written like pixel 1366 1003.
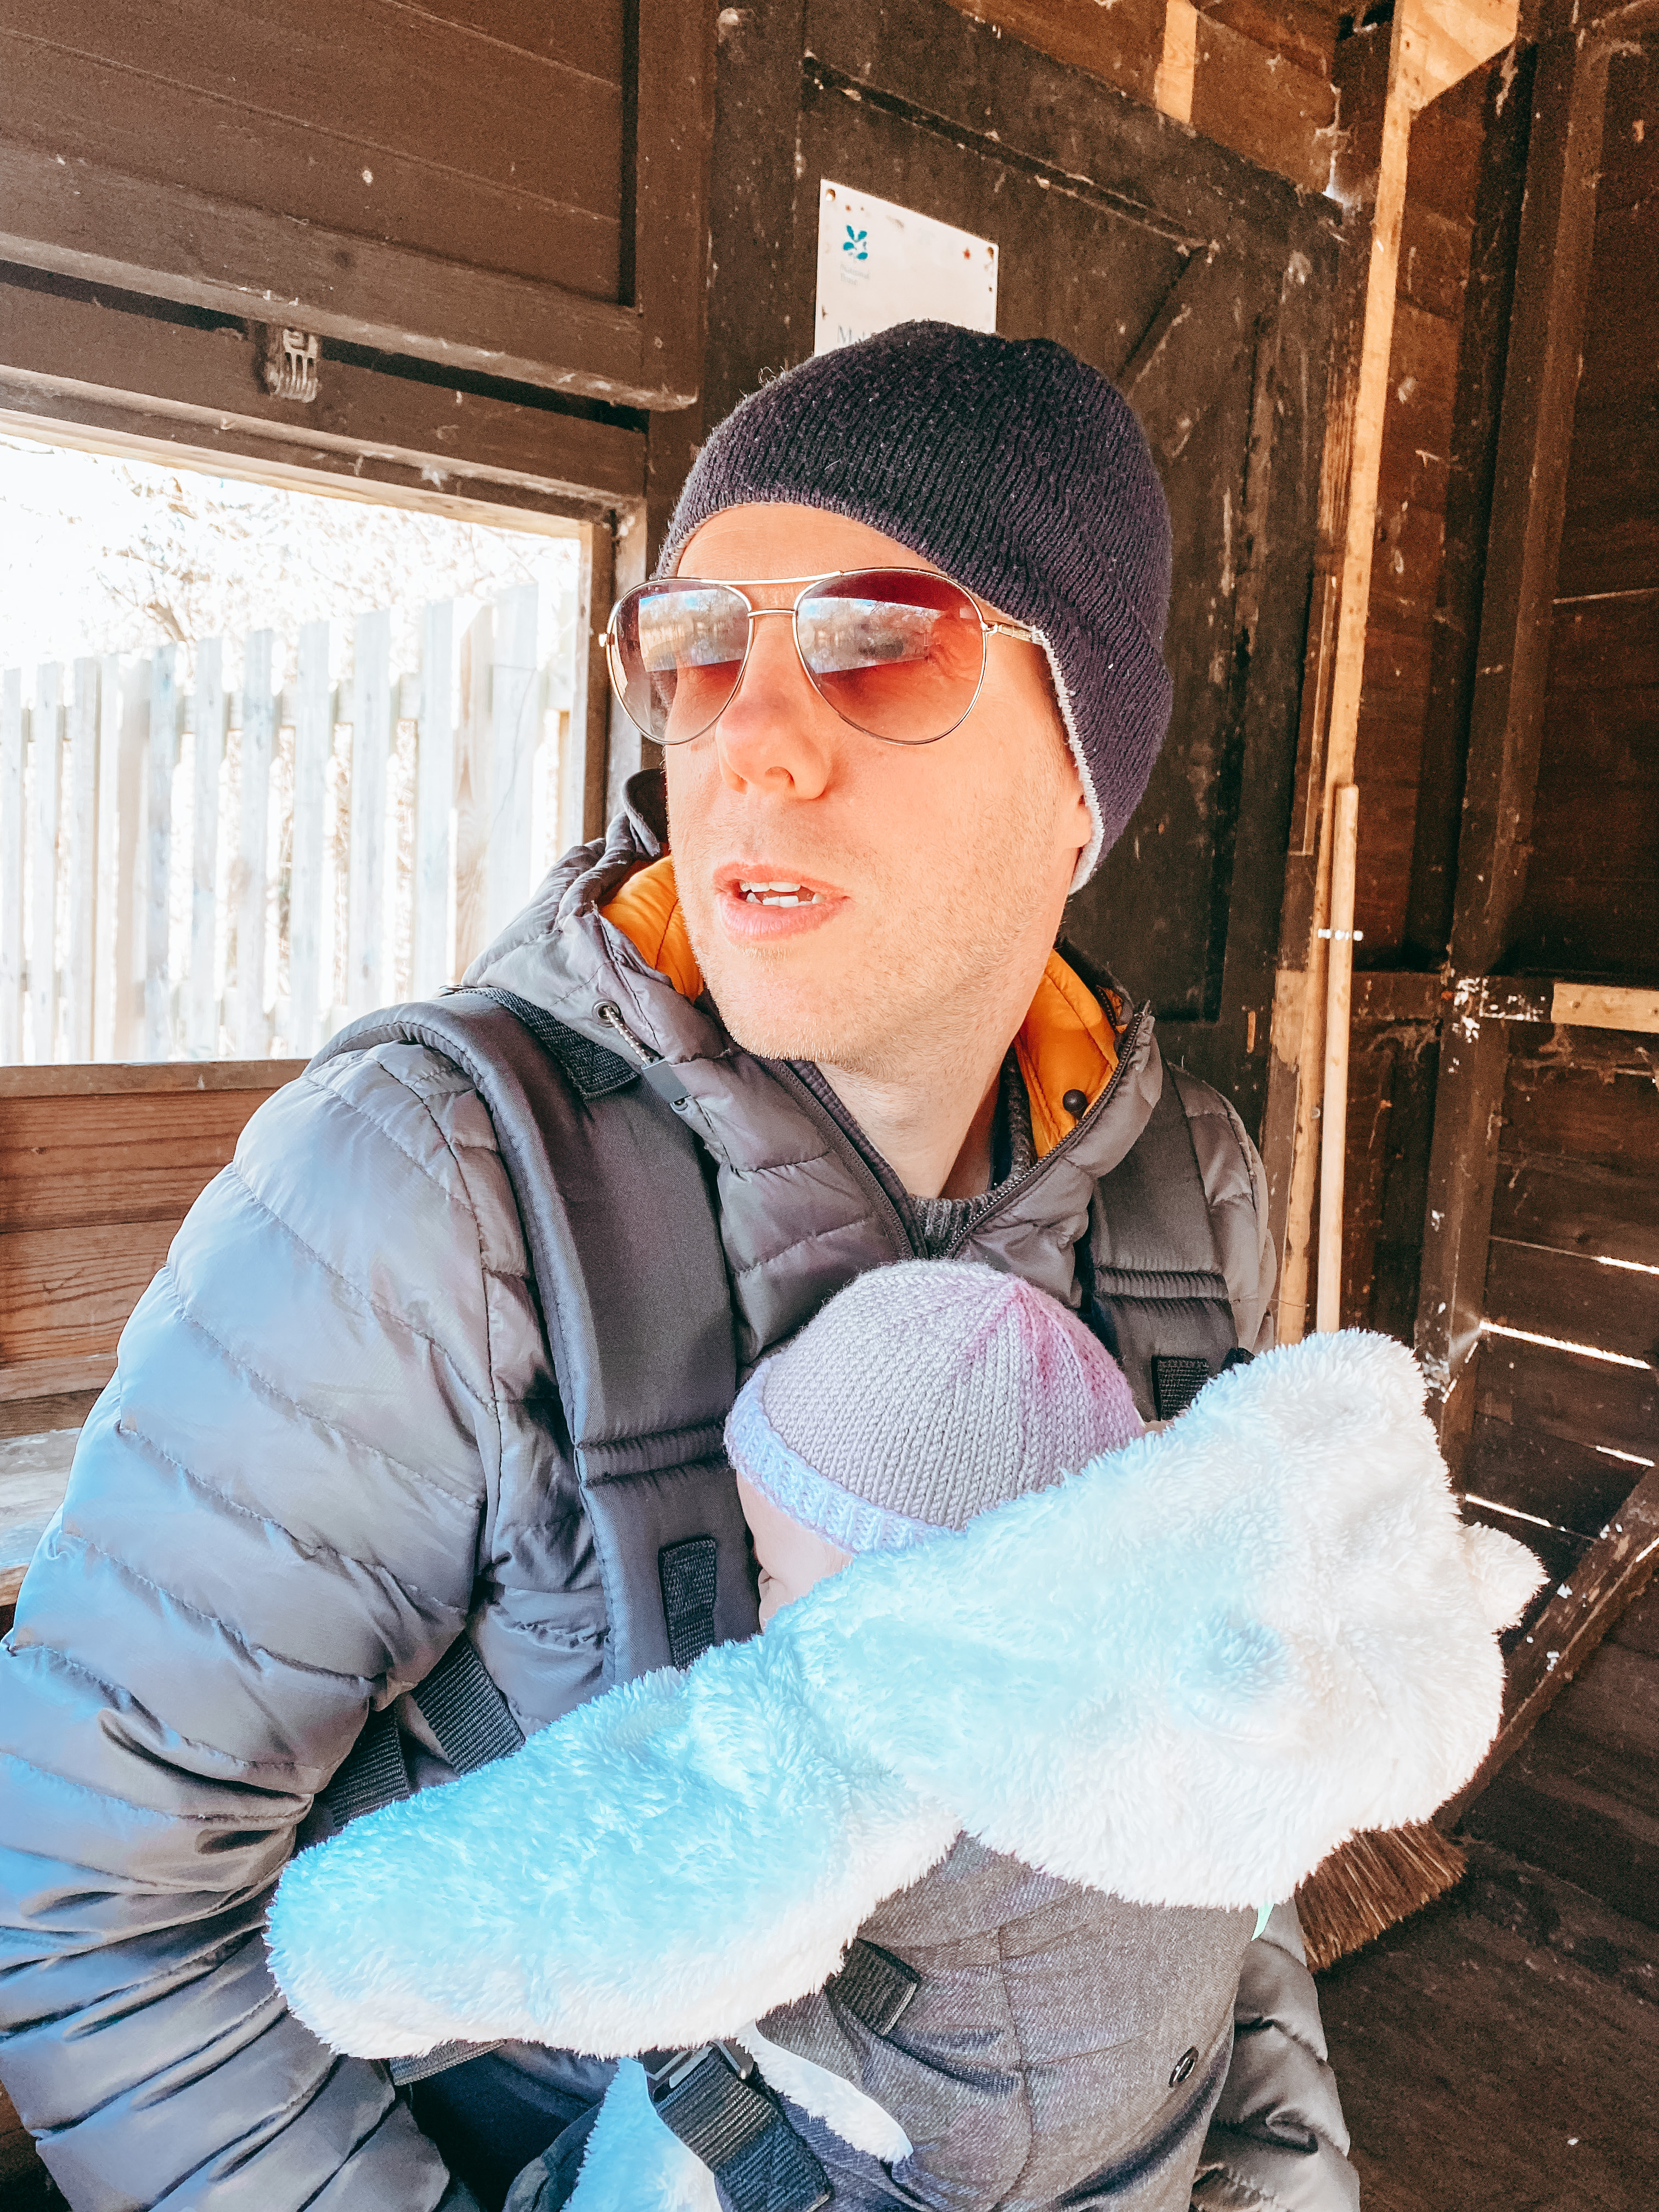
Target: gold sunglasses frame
pixel 1022 633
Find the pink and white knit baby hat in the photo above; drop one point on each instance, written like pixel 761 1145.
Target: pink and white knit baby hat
pixel 922 1395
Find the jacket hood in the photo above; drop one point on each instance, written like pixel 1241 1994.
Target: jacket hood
pixel 798 1211
pixel 1182 1675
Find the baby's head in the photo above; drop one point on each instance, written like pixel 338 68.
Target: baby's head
pixel 922 1396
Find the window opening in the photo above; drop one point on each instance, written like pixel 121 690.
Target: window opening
pixel 269 758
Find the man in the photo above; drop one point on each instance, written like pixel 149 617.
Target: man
pixel 342 1448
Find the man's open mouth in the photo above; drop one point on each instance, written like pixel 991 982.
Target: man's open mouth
pixel 779 894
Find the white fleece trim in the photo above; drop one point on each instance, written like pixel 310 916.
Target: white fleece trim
pixel 634 2163
pixel 853 2114
pixel 1184 1675
pixel 1089 858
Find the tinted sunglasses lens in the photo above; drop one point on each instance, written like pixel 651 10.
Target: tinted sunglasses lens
pixel 678 655
pixel 898 654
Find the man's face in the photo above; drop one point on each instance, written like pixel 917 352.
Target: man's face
pixel 931 877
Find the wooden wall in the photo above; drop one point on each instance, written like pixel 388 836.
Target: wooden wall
pixel 98 1167
pixel 1592 898
pixel 424 128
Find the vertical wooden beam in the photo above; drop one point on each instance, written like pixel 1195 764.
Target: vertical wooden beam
pixel 590 716
pixel 1482 349
pixel 161 760
pixel 434 791
pixel 472 790
pixel 1540 383
pixel 371 750
pixel 251 1030
pixel 514 725
pixel 107 978
pixel 132 804
pixel 1338 1011
pixel 45 780
pixel 201 986
pixel 14 741
pixel 1534 438
pixel 313 743
pixel 80 795
pixel 1364 74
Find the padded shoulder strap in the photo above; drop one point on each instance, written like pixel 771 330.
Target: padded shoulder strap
pixel 1160 1296
pixel 631 1278
pixel 621 1234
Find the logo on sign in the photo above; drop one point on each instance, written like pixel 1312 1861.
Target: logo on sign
pixel 856 243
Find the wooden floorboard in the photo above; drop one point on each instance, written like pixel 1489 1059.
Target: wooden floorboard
pixel 1500 2053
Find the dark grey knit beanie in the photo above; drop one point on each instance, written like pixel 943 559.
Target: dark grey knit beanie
pixel 1017 470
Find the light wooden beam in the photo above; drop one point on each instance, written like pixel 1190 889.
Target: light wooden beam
pixel 1433 43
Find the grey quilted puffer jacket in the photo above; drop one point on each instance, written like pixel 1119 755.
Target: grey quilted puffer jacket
pixel 321 1458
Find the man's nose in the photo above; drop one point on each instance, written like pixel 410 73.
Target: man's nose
pixel 777 735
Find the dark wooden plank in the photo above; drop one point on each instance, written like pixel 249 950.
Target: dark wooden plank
pixel 1585 1094
pixel 1610 540
pixel 1122 45
pixel 588 38
pixel 1604 1730
pixel 1538 1391
pixel 1574 1300
pixel 1612 1574
pixel 73 338
pixel 1639 1629
pixel 1492 2060
pixel 1555 1480
pixel 1509 692
pixel 941 69
pixel 95 424
pixel 1434 260
pixel 1557 237
pixel 1588 1207
pixel 374 84
pixel 1630 152
pixel 1262 105
pixel 111 229
pixel 1304 32
pixel 1573 1829
pixel 671 134
pixel 1500 178
pixel 530 226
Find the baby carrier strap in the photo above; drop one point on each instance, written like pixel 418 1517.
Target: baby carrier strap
pixel 1160 1300
pixel 631 1277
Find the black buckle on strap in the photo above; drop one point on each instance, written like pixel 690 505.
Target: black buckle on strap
pixel 710 2100
pixel 874 1986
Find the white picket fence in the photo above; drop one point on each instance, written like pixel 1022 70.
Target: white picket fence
pixel 189 870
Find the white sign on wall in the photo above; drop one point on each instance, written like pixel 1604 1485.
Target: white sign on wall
pixel 880 265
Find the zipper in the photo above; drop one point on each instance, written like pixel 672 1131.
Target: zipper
pixel 1132 1037
pixel 611 1015
pixel 782 1072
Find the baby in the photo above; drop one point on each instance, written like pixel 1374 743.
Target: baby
pixel 1182 1677
pixel 996 2035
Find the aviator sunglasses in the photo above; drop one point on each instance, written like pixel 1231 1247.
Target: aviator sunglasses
pixel 898 653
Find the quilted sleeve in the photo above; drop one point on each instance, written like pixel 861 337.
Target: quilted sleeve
pixel 1278 2142
pixel 271 1526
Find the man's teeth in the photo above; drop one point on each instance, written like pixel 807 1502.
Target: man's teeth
pixel 779 895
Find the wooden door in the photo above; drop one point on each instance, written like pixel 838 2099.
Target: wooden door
pixel 1202 285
